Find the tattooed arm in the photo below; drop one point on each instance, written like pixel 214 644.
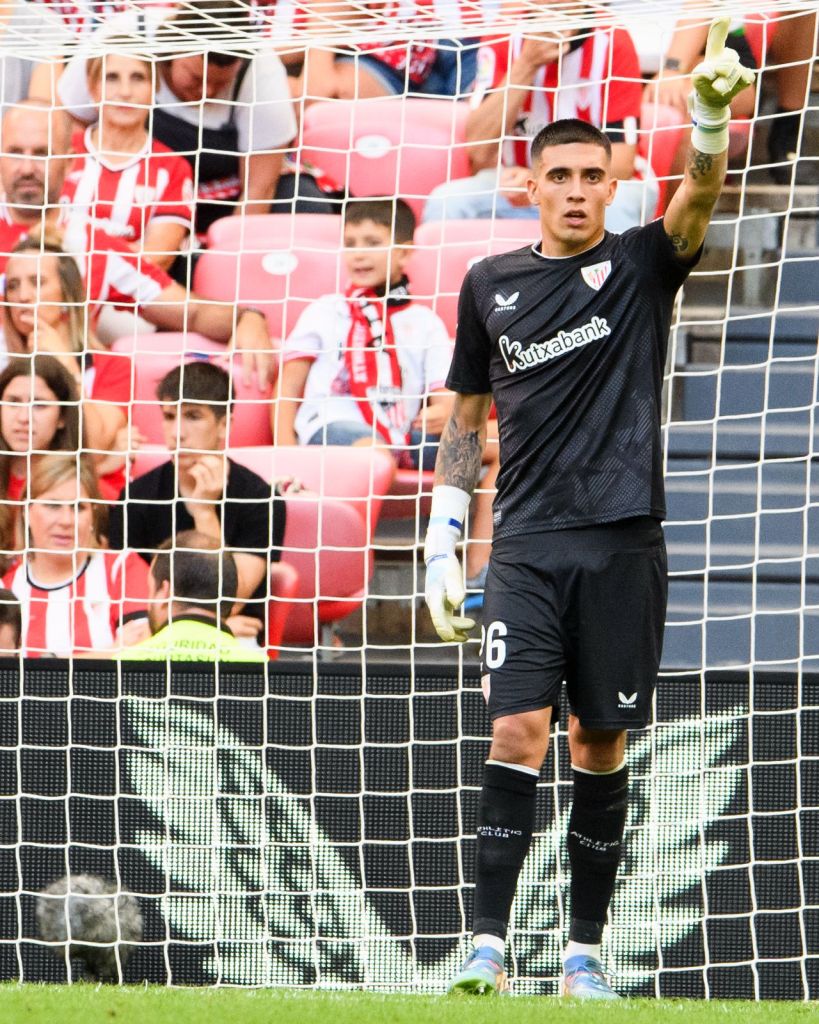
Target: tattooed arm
pixel 689 212
pixel 462 443
pixel 456 473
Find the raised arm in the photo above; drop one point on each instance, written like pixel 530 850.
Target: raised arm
pixel 717 80
pixel 457 471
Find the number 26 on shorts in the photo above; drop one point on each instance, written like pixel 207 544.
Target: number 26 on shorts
pixel 493 647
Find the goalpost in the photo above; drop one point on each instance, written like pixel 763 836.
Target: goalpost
pixel 317 828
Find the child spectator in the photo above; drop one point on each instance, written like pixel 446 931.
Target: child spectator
pixel 523 83
pixel 201 488
pixel 188 579
pixel 33 164
pixel 124 183
pixel 40 413
pixel 76 598
pixel 368 367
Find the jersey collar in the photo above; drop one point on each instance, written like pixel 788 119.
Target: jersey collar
pixel 574 256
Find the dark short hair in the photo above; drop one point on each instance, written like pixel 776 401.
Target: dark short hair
pixel 567 131
pixel 393 214
pixel 201 382
pixel 10 613
pixel 201 573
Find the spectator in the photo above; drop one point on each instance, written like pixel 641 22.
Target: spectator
pixel 792 44
pixel 33 164
pixel 11 623
pixel 230 116
pixel 76 598
pixel 368 367
pixel 187 583
pixel 24 77
pixel 40 413
pixel 43 312
pixel 523 83
pixel 123 182
pixel 201 488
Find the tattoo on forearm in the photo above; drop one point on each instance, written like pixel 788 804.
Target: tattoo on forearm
pixel 678 243
pixel 699 164
pixel 459 457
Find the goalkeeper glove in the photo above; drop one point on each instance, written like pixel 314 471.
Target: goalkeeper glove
pixel 717 80
pixel 444 591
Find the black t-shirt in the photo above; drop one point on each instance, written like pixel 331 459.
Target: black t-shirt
pixel 573 351
pixel 149 511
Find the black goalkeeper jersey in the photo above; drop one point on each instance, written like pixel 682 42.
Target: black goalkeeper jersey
pixel 573 351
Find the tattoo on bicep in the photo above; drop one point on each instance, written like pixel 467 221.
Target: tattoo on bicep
pixel 459 457
pixel 678 243
pixel 699 164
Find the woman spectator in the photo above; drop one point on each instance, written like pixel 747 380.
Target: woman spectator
pixel 123 182
pixel 39 414
pixel 45 312
pixel 76 598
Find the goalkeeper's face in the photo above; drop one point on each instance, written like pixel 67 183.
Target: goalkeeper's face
pixel 571 185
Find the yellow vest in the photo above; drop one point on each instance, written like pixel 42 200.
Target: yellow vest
pixel 191 640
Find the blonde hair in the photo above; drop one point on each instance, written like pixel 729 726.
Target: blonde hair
pixel 72 292
pixel 52 470
pixel 94 65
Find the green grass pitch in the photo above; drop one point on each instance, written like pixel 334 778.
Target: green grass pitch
pixel 90 1004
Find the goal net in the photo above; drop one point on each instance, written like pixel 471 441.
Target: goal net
pixel 310 821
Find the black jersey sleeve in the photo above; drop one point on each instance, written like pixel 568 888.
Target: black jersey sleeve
pixel 651 251
pixel 469 370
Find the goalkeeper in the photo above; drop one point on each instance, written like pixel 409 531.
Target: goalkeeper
pixel 569 337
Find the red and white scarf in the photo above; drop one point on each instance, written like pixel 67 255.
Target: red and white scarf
pixel 371 359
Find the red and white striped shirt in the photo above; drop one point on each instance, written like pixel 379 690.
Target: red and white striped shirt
pixel 114 275
pixel 599 83
pixel 123 199
pixel 85 613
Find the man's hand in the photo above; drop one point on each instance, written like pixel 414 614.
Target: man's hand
pixel 444 594
pixel 720 76
pixel 252 341
pixel 208 476
pixel 536 52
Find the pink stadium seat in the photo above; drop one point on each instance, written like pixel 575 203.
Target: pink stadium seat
pixel 249 421
pixel 410 495
pixel 661 130
pixel 388 146
pixel 165 343
pixel 445 250
pixel 278 263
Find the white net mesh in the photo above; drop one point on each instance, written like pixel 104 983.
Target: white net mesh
pixel 320 831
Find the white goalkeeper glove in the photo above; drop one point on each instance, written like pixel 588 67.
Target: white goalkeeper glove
pixel 444 591
pixel 716 80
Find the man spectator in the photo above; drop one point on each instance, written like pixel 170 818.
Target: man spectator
pixel 524 83
pixel 34 159
pixel 188 581
pixel 201 488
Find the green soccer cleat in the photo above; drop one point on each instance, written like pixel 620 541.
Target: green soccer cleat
pixel 482 974
pixel 583 978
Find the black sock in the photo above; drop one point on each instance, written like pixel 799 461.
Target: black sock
pixel 596 827
pixel 505 820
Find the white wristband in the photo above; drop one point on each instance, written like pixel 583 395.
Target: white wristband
pixel 447 515
pixel 710 132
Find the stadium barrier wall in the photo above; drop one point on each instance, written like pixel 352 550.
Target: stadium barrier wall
pixel 311 824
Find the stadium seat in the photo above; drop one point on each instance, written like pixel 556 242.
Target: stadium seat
pixel 166 343
pixel 388 146
pixel 410 495
pixel 445 250
pixel 661 130
pixel 250 417
pixel 278 263
pixel 284 586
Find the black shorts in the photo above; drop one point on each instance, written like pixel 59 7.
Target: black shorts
pixel 586 606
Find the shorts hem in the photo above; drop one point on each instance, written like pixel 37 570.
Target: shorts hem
pixel 609 725
pixel 521 709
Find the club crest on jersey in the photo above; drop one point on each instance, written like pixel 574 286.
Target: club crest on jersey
pixel 595 275
pixel 504 305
